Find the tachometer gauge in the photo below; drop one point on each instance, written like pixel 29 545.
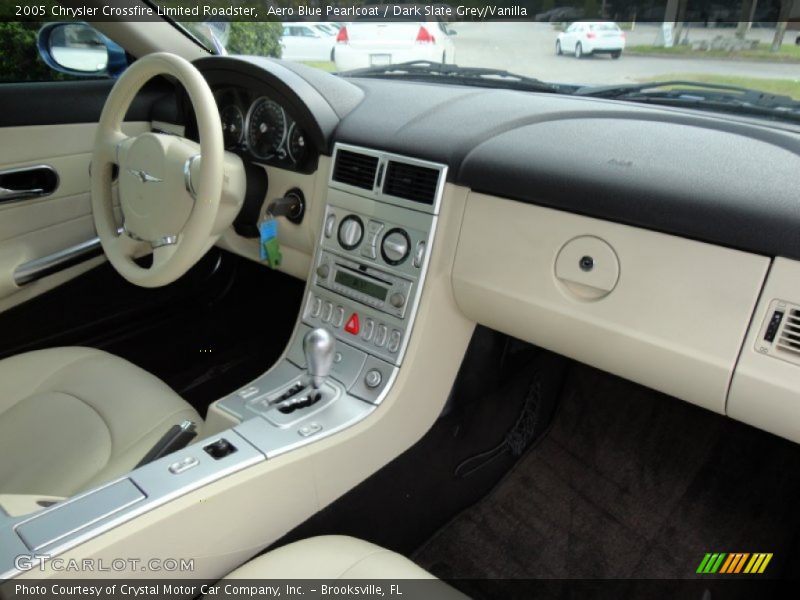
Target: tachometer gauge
pixel 297 144
pixel 232 125
pixel 266 127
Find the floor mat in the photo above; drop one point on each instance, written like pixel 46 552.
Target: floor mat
pixel 628 484
pixel 461 458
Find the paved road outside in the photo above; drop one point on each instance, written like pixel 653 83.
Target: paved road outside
pixel 529 49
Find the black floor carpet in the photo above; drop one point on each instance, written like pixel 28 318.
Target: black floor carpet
pixel 502 400
pixel 222 324
pixel 230 330
pixel 628 483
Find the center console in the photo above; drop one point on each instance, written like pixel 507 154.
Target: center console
pixel 349 343
pixel 364 287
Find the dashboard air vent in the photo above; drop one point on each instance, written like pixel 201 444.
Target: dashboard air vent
pixel 780 332
pixel 789 338
pixel 355 169
pixel 412 182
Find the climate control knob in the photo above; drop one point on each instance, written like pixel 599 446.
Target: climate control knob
pixel 351 230
pixel 395 246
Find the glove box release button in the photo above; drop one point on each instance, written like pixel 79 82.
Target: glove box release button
pixel 587 268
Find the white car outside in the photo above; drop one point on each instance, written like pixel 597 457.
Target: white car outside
pixel 362 44
pixel 326 28
pixel 585 37
pixel 307 42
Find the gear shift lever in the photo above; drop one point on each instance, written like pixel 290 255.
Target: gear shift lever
pixel 318 345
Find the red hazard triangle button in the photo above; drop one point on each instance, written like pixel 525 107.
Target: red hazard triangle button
pixel 352 325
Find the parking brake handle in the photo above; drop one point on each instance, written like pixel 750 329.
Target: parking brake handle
pixel 176 438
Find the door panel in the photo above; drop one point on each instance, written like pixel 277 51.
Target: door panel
pixel 54 124
pixel 37 227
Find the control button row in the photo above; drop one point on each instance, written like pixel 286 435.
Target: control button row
pixel 326 312
pixel 376 333
pixel 379 335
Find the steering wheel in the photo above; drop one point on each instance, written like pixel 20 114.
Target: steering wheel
pixel 170 188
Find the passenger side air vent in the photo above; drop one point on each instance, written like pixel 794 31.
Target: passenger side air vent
pixel 412 182
pixel 780 332
pixel 355 169
pixel 789 338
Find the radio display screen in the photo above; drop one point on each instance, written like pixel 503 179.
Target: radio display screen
pixel 361 285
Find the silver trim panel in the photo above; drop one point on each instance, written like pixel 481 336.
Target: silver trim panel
pixel 157 483
pixel 47 265
pixel 44 529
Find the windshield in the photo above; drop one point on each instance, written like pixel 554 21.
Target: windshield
pixel 592 43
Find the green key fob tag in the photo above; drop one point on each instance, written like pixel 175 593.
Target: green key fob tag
pixel 270 249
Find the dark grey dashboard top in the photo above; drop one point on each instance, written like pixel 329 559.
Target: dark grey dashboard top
pixel 712 177
pixel 699 175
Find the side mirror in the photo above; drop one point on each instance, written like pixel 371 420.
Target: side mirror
pixel 80 50
pixel 451 31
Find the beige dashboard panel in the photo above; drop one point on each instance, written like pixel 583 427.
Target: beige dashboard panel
pixel 765 391
pixel 297 241
pixel 674 321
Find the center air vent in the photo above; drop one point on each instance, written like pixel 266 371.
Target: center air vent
pixel 355 169
pixel 388 178
pixel 780 332
pixel 412 182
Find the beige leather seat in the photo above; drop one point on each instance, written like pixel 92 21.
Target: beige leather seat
pixel 334 557
pixel 71 418
pixel 330 557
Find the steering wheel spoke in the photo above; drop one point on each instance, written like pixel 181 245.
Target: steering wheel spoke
pixel 126 246
pixel 162 255
pixel 112 147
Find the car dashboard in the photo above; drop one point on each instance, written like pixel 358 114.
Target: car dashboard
pixel 637 239
pixel 657 244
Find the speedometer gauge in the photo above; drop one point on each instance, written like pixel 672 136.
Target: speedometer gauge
pixel 266 127
pixel 297 144
pixel 232 125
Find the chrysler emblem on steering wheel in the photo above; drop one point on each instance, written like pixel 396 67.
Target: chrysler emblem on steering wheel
pixel 143 176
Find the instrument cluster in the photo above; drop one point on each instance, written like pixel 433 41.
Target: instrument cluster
pixel 261 128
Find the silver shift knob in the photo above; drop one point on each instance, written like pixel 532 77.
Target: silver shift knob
pixel 318 346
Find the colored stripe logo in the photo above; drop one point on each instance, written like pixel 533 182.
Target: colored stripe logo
pixel 734 563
